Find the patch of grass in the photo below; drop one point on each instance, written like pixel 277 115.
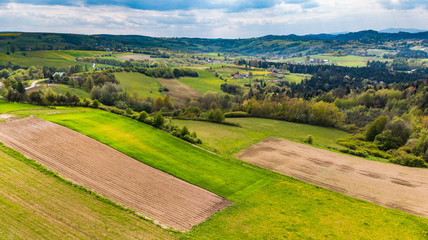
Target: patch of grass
pixel 62 89
pixel 207 81
pixel 296 77
pixel 140 84
pixel 10 107
pixel 229 140
pixel 39 204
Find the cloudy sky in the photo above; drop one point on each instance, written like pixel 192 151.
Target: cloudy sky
pixel 210 19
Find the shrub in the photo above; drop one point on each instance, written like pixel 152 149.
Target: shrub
pixel 158 120
pixel 410 160
pixel 116 110
pixel 142 116
pixel 237 114
pixel 95 104
pixel 309 139
pixel 376 127
pixel 215 115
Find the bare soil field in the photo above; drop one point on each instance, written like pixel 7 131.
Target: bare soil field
pixel 135 57
pixel 155 194
pixel 179 91
pixel 388 185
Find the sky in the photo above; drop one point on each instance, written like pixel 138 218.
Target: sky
pixel 211 19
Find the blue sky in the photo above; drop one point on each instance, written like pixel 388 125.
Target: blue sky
pixel 211 19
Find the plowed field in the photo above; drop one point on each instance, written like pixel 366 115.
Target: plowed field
pixel 153 193
pixel 388 185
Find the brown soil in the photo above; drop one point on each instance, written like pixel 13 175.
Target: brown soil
pixel 385 184
pixel 153 193
pixel 135 57
pixel 179 91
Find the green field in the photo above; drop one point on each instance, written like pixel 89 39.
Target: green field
pixel 37 204
pixel 62 89
pixel 229 140
pixel 55 58
pixel 348 61
pixel 204 83
pixel 266 205
pixel 137 83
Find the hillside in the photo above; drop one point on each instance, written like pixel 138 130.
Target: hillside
pixel 271 45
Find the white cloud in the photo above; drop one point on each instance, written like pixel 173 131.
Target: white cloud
pixel 283 18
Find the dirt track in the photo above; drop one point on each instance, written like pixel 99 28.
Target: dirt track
pixel 388 185
pixel 153 193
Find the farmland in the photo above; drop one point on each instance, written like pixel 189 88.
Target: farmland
pixel 151 192
pixel 178 91
pixel 37 204
pixel 140 84
pixel 60 58
pixel 229 140
pixel 380 183
pixel 260 197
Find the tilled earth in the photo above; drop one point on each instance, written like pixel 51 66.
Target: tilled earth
pixel 388 185
pixel 165 199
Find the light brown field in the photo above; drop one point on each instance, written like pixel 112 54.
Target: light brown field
pixel 153 193
pixel 135 57
pixel 388 185
pixel 179 91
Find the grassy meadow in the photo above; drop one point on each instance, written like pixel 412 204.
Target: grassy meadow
pixel 140 84
pixel 207 81
pixel 266 205
pixel 347 61
pixel 229 140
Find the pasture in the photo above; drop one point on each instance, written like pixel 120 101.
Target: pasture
pixel 140 84
pixel 207 81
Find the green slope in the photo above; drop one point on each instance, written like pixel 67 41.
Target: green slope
pixel 229 140
pixel 140 84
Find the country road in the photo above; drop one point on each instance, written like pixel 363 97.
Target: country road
pixel 34 84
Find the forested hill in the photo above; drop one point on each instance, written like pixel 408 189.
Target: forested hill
pixel 273 45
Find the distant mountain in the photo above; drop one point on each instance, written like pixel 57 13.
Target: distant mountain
pixel 271 44
pixel 397 30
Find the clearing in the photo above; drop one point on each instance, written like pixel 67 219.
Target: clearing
pixel 169 200
pixel 388 185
